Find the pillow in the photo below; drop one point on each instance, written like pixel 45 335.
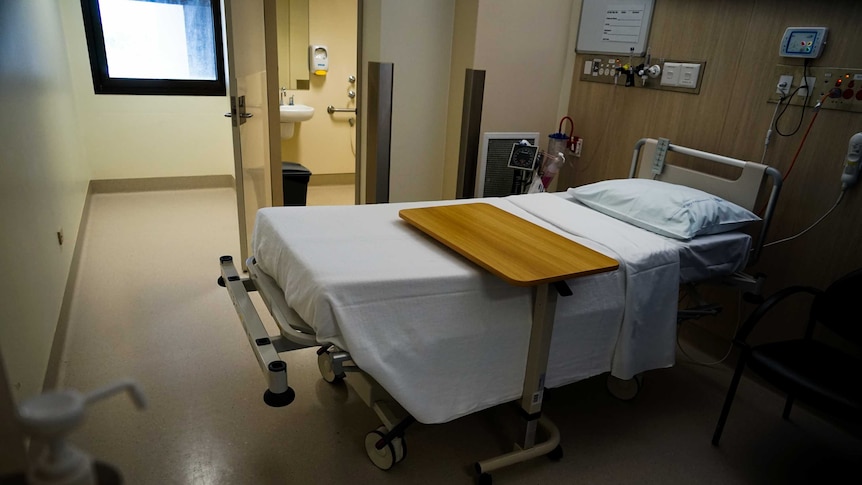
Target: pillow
pixel 671 210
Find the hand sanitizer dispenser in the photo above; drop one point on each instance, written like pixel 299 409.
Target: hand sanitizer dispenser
pixel 318 60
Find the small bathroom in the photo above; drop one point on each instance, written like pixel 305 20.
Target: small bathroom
pixel 323 143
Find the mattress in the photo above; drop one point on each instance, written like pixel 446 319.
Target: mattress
pixel 446 338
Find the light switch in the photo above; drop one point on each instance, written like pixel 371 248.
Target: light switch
pixel 688 75
pixel 670 74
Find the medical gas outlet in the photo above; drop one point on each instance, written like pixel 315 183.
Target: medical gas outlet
pixel 666 74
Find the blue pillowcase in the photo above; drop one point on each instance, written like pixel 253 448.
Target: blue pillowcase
pixel 667 209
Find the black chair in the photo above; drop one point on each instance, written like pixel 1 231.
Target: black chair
pixel 809 370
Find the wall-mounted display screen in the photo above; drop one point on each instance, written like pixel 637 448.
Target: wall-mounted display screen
pixel 805 42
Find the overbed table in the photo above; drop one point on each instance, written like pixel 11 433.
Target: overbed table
pixel 522 254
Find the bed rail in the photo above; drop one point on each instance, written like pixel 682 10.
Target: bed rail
pixel 742 191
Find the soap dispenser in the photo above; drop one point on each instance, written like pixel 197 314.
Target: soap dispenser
pixel 50 417
pixel 318 60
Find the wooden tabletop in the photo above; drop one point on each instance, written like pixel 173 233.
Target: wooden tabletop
pixel 516 250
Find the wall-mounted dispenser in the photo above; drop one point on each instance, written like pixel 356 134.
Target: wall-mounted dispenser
pixel 318 60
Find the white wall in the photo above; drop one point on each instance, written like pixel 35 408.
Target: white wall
pixel 145 136
pixel 416 36
pixel 43 185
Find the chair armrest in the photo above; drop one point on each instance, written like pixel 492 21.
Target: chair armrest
pixel 767 305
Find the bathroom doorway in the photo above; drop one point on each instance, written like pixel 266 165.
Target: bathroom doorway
pixel 328 143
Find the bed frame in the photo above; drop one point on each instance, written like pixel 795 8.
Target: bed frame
pixel 385 445
pixel 743 191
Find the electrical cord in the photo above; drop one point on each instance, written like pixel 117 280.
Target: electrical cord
pixel 804 104
pixel 801 144
pixel 805 136
pixel 769 131
pixel 840 196
pixel 692 360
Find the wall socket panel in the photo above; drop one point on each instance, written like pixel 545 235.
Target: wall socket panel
pixel 783 86
pixel 823 79
pixel 599 68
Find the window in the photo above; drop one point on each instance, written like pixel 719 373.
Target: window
pixel 171 47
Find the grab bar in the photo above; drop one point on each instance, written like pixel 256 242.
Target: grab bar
pixel 332 109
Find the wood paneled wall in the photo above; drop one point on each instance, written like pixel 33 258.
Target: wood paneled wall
pixel 739 41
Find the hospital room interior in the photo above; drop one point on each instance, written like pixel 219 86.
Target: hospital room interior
pixel 258 275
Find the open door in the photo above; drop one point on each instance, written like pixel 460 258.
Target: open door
pixel 252 74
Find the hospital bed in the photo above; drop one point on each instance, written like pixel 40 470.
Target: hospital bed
pixel 422 334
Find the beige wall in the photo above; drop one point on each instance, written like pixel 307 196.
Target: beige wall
pixel 326 143
pixel 463 56
pixel 525 74
pixel 522 48
pixel 43 185
pixel 417 37
pixel 144 136
pixel 524 84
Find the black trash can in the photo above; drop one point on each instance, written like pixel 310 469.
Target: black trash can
pixel 295 178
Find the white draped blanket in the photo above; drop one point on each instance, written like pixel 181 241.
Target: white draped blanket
pixel 445 337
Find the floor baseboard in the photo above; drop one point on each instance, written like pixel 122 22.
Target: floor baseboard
pixel 332 179
pixel 109 186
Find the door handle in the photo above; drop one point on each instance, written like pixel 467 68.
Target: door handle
pixel 237 106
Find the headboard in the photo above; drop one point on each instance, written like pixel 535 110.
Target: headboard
pixel 742 191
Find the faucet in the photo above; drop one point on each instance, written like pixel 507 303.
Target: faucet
pixel 281 96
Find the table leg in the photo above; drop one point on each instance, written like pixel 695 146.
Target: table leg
pixel 544 309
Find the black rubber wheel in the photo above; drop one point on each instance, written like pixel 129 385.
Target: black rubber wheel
pixel 389 455
pixel 556 454
pixel 625 390
pixel 485 479
pixel 221 281
pixel 399 459
pixel 324 365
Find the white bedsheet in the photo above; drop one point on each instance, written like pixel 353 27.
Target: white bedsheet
pixel 446 338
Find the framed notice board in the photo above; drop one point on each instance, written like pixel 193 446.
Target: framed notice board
pixel 615 26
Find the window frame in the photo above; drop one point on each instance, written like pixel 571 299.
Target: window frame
pixel 104 84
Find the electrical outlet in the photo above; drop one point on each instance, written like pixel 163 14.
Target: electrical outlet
pixel 688 75
pixel 803 91
pixel 784 84
pixel 670 74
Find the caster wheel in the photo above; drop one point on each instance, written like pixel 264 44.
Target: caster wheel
pixel 386 457
pixel 625 390
pixel 556 454
pixel 221 281
pixel 485 479
pixel 324 364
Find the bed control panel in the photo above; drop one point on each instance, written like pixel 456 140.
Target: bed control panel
pixel 660 154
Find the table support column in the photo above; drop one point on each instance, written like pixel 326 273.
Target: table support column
pixel 544 309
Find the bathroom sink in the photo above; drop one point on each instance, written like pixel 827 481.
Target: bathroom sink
pixel 295 113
